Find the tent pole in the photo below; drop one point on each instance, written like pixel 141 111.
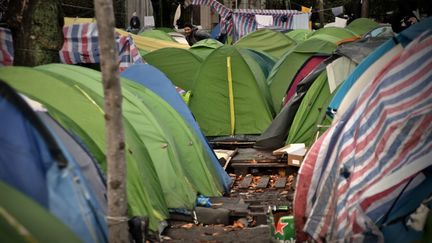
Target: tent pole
pixel 231 95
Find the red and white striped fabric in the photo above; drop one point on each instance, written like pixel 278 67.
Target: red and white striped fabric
pixel 240 22
pixel 224 12
pixel 128 52
pixel 361 163
pixel 6 47
pixel 218 7
pixel 81 46
pixel 244 20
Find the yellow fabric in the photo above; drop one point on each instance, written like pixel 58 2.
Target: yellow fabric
pixel 305 10
pixel 150 44
pixel 71 21
pixel 141 42
pixel 231 95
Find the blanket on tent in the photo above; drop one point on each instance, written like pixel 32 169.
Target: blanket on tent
pixel 81 46
pixel 353 174
pixel 6 47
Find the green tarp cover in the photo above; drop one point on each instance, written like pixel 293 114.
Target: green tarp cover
pixel 361 26
pixel 298 35
pixel 203 48
pixel 269 41
pixel 210 102
pixel 179 65
pixel 72 106
pixel 159 125
pixel 311 112
pixel 24 220
pixel 286 68
pixel 157 34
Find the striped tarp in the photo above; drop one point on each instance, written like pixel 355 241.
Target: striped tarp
pixel 218 7
pixel 6 47
pixel 239 22
pixel 244 20
pixel 128 52
pixel 81 46
pixel 224 12
pixel 357 169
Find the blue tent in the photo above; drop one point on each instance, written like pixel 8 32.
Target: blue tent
pixel 404 38
pixel 156 81
pixel 34 161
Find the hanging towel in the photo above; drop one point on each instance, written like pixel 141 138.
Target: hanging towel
pixel 337 10
pixel 264 21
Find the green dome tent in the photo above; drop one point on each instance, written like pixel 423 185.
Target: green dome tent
pixel 179 65
pixel 265 61
pixel 230 96
pixel 333 34
pixel 311 110
pixel 24 220
pixel 361 26
pixel 182 165
pixel 269 41
pixel 165 160
pixel 323 41
pixel 286 68
pixel 298 35
pixel 157 34
pixel 203 48
pixel 71 106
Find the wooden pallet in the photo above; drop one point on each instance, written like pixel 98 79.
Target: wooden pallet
pixel 248 158
pixel 263 183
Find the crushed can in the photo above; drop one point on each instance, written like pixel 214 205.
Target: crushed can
pixel 285 231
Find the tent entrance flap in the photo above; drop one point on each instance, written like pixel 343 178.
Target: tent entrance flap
pixel 230 95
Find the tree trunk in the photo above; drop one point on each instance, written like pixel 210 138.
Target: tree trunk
pixel 365 9
pixel 163 12
pixel 117 197
pixel 321 12
pixel 37 31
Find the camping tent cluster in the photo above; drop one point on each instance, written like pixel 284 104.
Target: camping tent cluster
pixel 239 89
pixel 169 161
pixel 331 79
pixel 356 96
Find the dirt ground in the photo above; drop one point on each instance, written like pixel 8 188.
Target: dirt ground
pixel 249 213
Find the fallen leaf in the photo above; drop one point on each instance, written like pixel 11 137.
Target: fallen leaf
pixel 187 226
pixel 238 225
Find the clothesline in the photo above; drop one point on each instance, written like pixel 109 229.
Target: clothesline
pixel 313 11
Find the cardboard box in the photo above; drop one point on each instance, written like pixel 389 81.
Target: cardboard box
pixel 295 160
pixel 295 152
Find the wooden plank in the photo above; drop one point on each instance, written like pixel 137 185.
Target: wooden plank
pixel 250 155
pixel 269 165
pixel 281 182
pixel 244 184
pixel 263 182
pixel 280 151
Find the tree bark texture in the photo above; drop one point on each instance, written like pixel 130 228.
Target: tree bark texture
pixel 163 12
pixel 37 31
pixel 117 196
pixel 365 9
pixel 321 12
